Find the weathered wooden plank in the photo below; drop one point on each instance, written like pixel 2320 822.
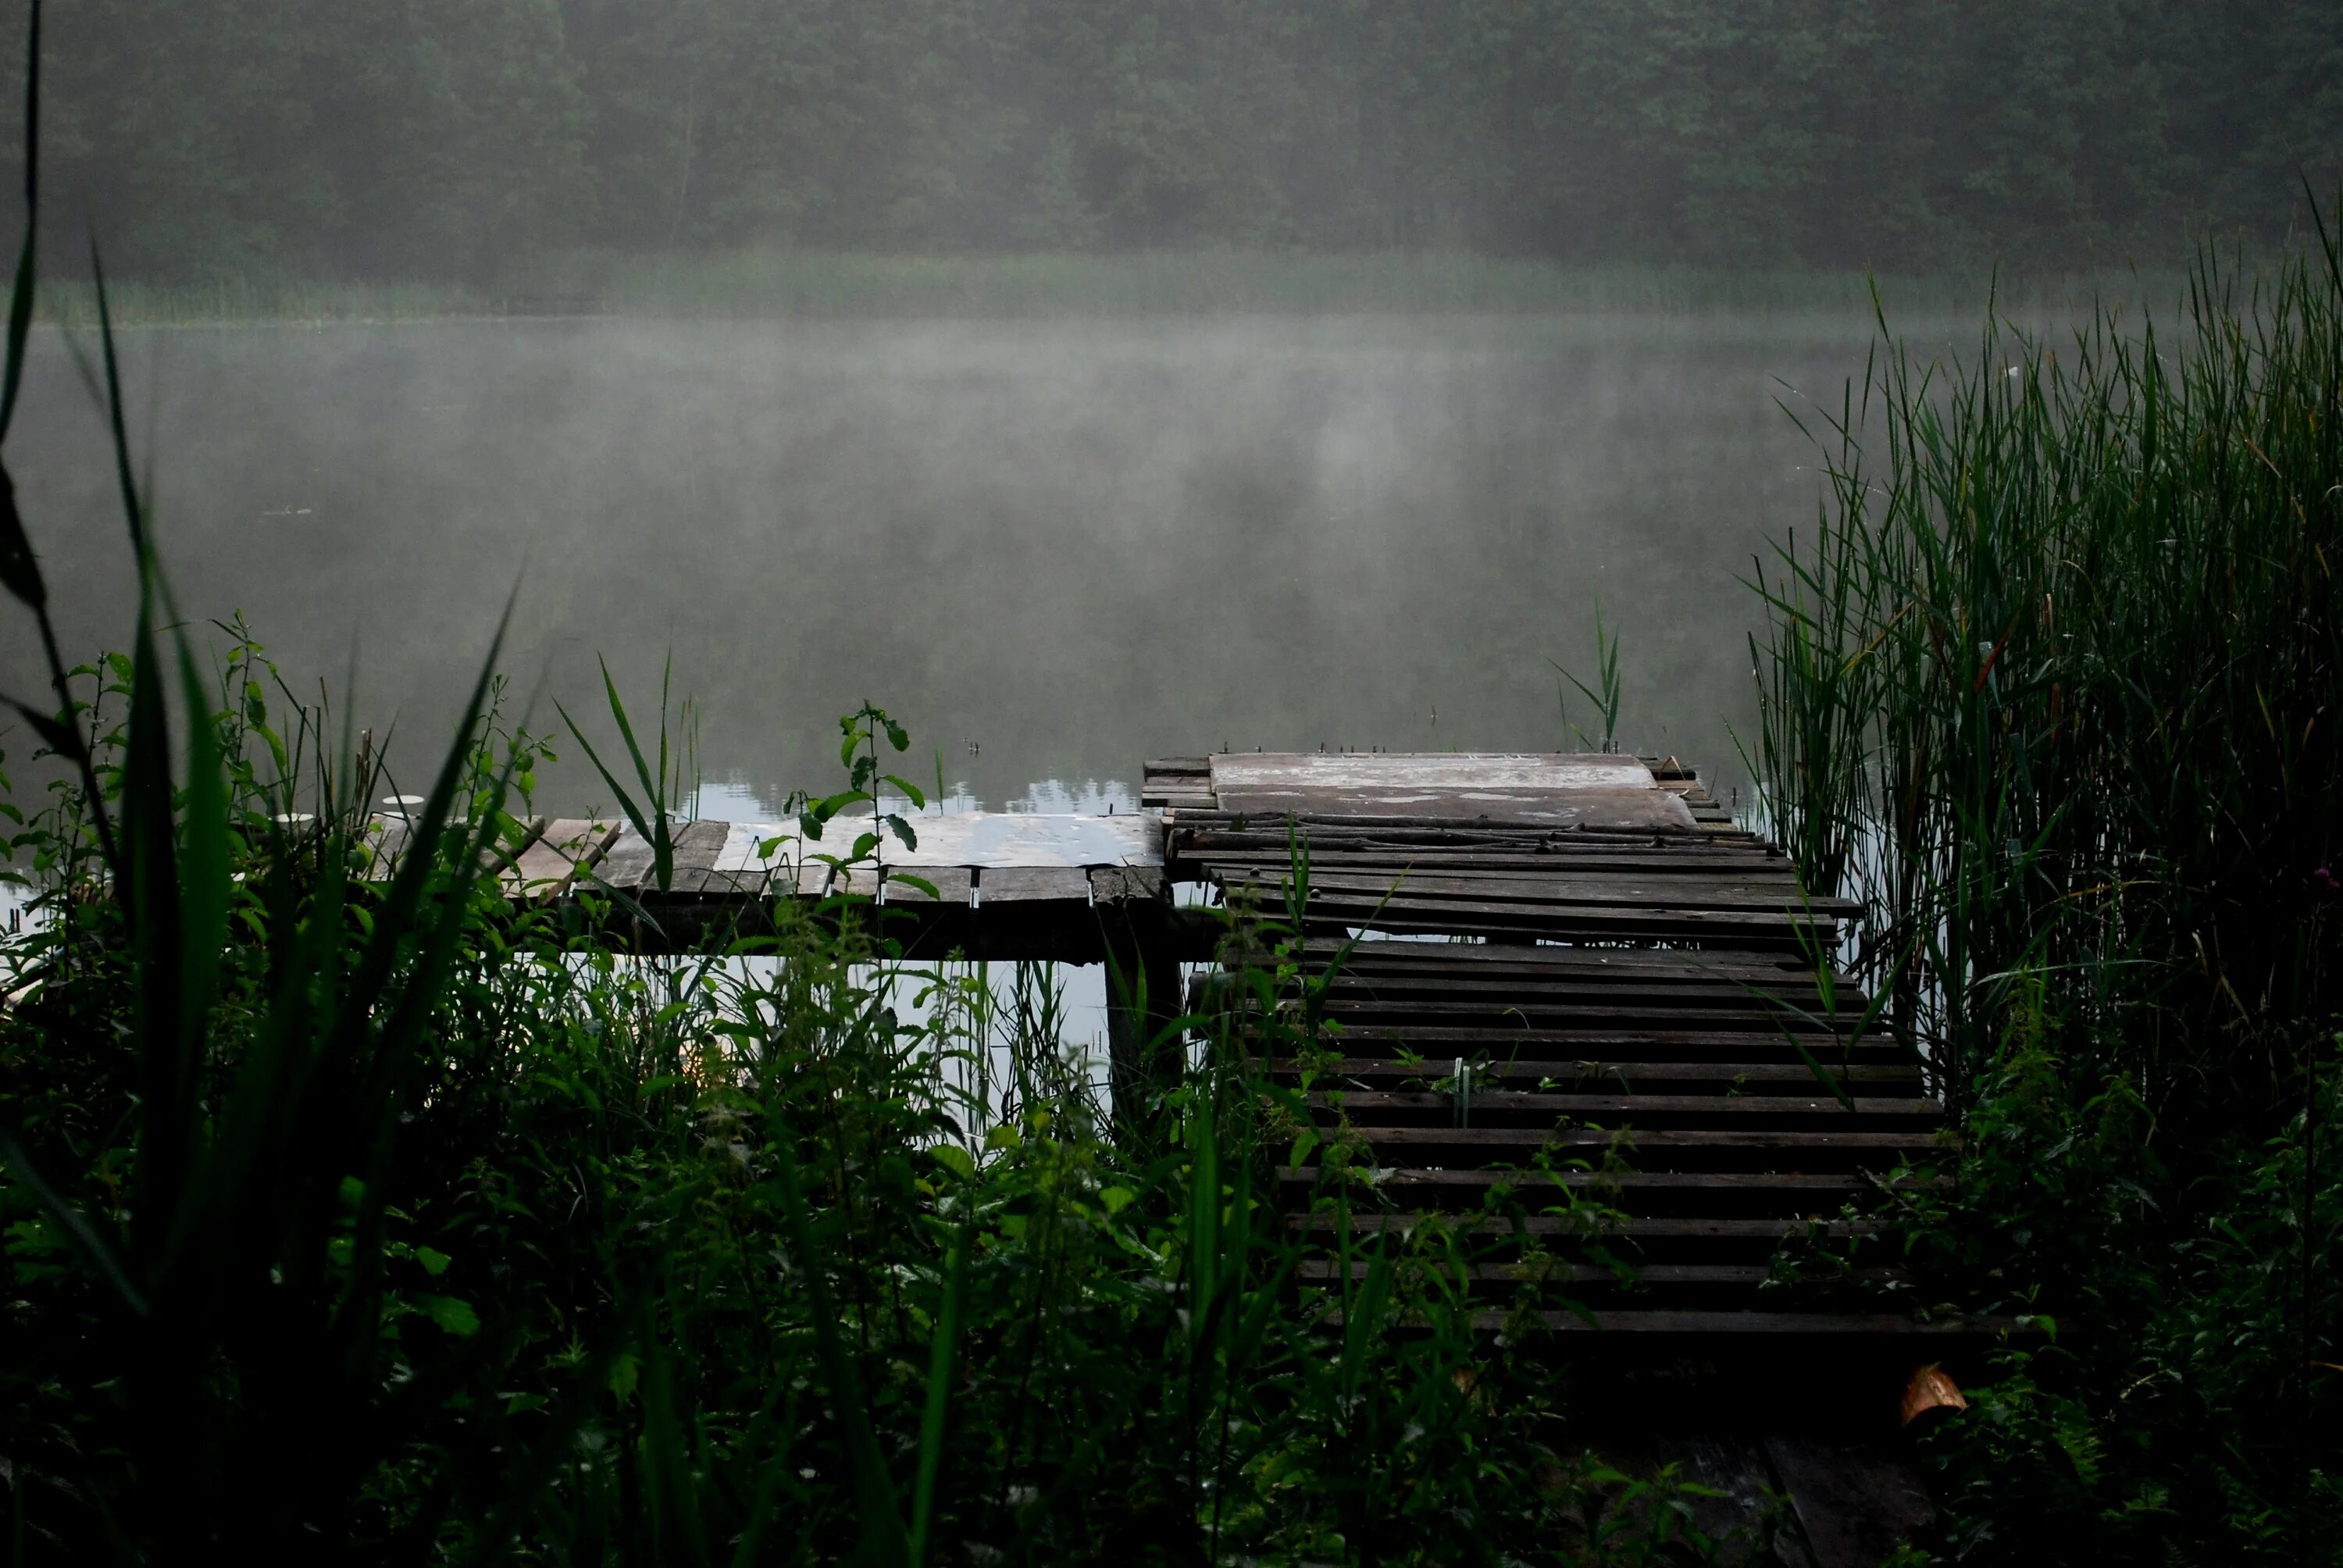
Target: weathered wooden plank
pixel 1381 956
pixel 1392 1002
pixel 547 867
pixel 1126 884
pixel 952 884
pixel 1645 1276
pixel 1440 772
pixel 626 863
pixel 696 848
pixel 1032 884
pixel 1823 1188
pixel 386 835
pixel 1396 982
pixel 1641 1110
pixel 1417 1020
pixel 1432 1041
pixel 1647 810
pixel 1694 860
pixel 503 851
pixel 1633 1228
pixel 1380 953
pixel 1421 828
pixel 1815 1325
pixel 1426 884
pixel 1758 1077
pixel 1496 921
pixel 1824 1150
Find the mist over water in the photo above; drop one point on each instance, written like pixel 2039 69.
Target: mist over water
pixel 1054 548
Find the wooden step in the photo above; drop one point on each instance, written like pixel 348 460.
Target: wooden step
pixel 1697 1194
pixel 1628 1075
pixel 1374 1110
pixel 1702 1149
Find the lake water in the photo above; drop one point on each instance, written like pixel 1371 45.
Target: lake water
pixel 1052 548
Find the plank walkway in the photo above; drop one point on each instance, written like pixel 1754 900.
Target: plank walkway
pixel 989 885
pixel 1572 963
pixel 1568 977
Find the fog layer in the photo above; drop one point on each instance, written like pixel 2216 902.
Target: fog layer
pixel 1055 549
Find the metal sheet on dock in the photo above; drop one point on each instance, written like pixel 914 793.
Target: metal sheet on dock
pixel 986 839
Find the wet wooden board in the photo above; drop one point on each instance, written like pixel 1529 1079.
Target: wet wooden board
pixel 1714 1042
pixel 1423 884
pixel 626 862
pixel 1820 1326
pixel 1636 810
pixel 554 861
pixel 1753 1078
pixel 1544 790
pixel 1629 1230
pixel 1439 772
pixel 1647 1017
pixel 1392 1109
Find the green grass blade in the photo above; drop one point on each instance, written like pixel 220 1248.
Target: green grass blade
pixel 20 298
pixel 932 1416
pixel 634 813
pixel 883 1542
pixel 70 1222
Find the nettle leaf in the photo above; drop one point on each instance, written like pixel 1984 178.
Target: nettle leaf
pixel 454 1315
pixel 896 735
pixel 910 792
pixel 435 1261
pixel 922 883
pixel 911 840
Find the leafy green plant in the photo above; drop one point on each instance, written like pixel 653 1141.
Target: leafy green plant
pixel 665 784
pixel 1607 698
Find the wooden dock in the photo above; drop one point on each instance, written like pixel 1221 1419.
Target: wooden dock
pixel 1573 961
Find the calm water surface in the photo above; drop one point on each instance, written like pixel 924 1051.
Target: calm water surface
pixel 1053 549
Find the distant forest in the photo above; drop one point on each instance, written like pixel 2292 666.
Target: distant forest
pixel 448 138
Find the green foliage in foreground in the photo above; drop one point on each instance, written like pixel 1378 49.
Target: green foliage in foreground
pixel 2053 687
pixel 408 1223
pixel 353 1212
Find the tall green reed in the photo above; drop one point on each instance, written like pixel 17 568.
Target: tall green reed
pixel 2050 684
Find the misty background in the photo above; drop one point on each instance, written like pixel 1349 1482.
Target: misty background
pixel 415 138
pixel 1092 524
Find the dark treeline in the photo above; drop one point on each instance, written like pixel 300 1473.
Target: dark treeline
pixel 447 138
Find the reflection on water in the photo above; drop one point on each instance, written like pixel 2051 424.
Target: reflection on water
pixel 1052 548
